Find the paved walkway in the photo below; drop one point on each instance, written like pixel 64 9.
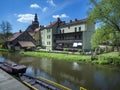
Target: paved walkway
pixel 7 82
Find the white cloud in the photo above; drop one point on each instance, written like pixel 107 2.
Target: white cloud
pixel 51 2
pixel 34 6
pixel 60 16
pixel 25 18
pixel 44 9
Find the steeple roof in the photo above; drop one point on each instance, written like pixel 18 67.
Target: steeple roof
pixel 35 18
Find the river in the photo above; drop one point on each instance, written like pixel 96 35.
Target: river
pixel 70 74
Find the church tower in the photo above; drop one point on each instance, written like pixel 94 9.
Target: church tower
pixel 35 23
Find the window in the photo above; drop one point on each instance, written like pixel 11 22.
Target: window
pixel 63 31
pixel 79 29
pixel 48 30
pixel 80 37
pixel 48 43
pixel 68 27
pixel 48 36
pixel 75 36
pixel 75 29
pixel 62 37
pixel 60 31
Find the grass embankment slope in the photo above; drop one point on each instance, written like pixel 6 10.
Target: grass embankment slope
pixel 59 56
pixel 4 50
pixel 106 58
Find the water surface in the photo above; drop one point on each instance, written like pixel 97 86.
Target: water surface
pixel 70 74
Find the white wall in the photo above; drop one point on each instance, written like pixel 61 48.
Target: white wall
pixel 70 29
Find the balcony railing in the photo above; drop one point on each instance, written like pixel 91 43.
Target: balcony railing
pixel 68 41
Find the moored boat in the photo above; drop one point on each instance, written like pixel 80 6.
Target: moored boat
pixel 12 68
pixel 40 84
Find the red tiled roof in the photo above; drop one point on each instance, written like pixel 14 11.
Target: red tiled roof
pixel 51 24
pixel 14 36
pixel 26 44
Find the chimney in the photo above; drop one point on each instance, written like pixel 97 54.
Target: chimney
pixel 20 31
pixel 70 21
pixel 76 19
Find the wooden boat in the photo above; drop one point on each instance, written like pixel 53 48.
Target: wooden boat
pixel 39 84
pixel 12 68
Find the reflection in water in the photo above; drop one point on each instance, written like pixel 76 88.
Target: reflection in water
pixel 71 74
pixel 76 66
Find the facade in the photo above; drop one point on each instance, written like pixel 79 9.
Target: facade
pixel 21 40
pixel 27 39
pixel 47 35
pixel 73 35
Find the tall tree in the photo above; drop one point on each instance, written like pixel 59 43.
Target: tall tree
pixel 104 35
pixel 106 11
pixel 5 29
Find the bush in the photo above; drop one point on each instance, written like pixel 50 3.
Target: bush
pixel 79 51
pixel 0 46
pixel 64 49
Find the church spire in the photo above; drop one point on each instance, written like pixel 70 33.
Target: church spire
pixel 35 18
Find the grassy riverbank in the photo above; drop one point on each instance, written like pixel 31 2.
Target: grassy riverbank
pixel 4 50
pixel 107 58
pixel 59 56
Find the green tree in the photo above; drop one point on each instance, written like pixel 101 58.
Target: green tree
pixel 104 35
pixel 5 31
pixel 106 12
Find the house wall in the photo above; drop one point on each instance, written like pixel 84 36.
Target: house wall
pixel 47 37
pixel 37 37
pixel 25 36
pixel 71 28
pixel 77 31
pixel 90 28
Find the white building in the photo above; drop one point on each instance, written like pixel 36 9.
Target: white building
pixel 73 35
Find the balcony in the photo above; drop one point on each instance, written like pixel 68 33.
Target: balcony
pixel 68 41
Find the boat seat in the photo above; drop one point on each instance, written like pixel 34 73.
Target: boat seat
pixel 28 80
pixel 42 83
pixel 32 82
pixel 52 87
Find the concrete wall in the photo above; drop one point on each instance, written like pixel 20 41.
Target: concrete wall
pixel 90 28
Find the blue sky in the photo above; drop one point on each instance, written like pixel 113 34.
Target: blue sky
pixel 20 13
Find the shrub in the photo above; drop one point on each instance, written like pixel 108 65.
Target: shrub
pixel 0 46
pixel 79 51
pixel 64 49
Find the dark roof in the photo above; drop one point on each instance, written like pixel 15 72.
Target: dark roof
pixel 73 22
pixel 26 44
pixel 51 24
pixel 14 36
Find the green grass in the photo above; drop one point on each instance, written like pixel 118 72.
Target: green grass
pixel 108 58
pixel 59 56
pixel 4 50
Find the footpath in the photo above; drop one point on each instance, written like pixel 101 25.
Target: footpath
pixel 7 82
